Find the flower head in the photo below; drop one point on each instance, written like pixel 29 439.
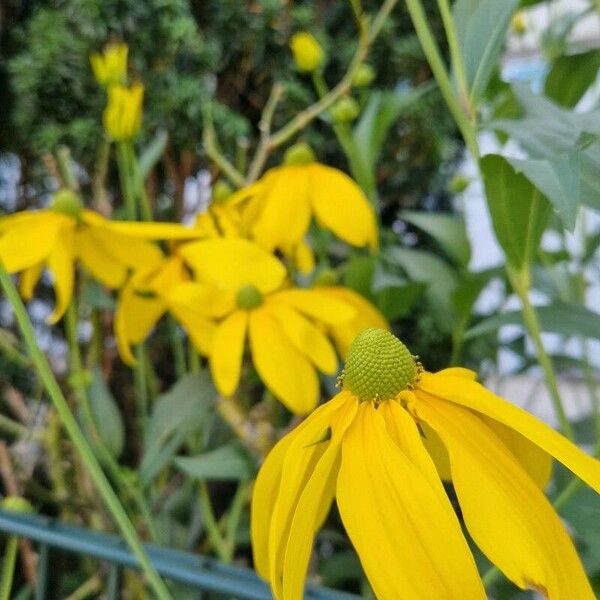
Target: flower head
pixel 123 113
pixel 66 233
pixel 308 54
pixel 110 67
pixel 284 325
pixel 369 449
pixel 278 208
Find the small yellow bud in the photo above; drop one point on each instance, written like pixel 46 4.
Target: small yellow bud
pixel 345 110
pixel 299 154
pixel 66 202
pixel 308 54
pixel 123 113
pixel 364 75
pixel 221 191
pixel 519 22
pixel 110 67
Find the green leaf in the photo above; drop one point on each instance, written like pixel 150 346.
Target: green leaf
pixel 481 27
pixel 106 414
pixel 558 317
pixel 151 154
pixel 447 230
pixel 559 179
pixel 225 463
pixel 519 211
pixel 582 514
pixel 571 76
pixel 176 413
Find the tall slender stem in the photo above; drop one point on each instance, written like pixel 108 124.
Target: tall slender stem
pixel 8 567
pixel 126 183
pixel 78 439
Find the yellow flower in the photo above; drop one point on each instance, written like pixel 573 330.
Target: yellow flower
pixel 366 448
pixel 123 113
pixel 308 54
pixel 110 67
pixel 277 209
pixel 283 325
pixel 149 294
pixel 58 237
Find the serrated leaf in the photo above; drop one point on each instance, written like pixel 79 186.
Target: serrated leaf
pixel 229 462
pixel 447 230
pixel 106 414
pixel 559 317
pixel 519 211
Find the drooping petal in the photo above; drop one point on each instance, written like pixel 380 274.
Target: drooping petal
pixel 29 279
pixel 286 372
pixel 476 397
pixel 200 329
pixel 505 512
pixel 313 505
pixel 308 339
pixel 201 298
pixel 227 352
pixel 458 372
pixel 318 304
pixel 60 264
pixel 340 205
pixel 311 440
pixel 304 257
pixel 233 263
pixel 408 543
pixel 100 264
pixel 284 214
pixel 154 230
pixel 30 240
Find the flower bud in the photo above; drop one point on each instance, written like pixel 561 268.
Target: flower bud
pixel 519 23
pixel 221 191
pixel 249 297
pixel 16 504
pixel 458 184
pixel 123 113
pixel 66 202
pixel 308 54
pixel 345 110
pixel 299 154
pixel 110 67
pixel 364 75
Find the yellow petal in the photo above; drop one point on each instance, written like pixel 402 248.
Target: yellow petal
pixel 285 210
pixel 29 241
pixel 313 506
pixel 227 352
pixel 476 397
pixel 200 329
pixel 316 303
pixel 233 263
pixel 340 205
pixel 29 279
pixel 459 372
pixel 308 339
pixel 153 230
pixel 102 266
pixel 505 512
pixel 135 316
pixel 310 441
pixel 304 258
pixel 408 542
pixel 201 298
pixel 60 264
pixel 286 372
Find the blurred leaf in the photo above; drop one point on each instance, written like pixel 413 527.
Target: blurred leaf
pixel 467 292
pixel 176 413
pixel 559 179
pixel 358 275
pixel 519 211
pixel 96 296
pixel 340 568
pixel 582 514
pixel 396 302
pixel 448 230
pixel 151 154
pixel 570 77
pixel 106 414
pixel 559 317
pixel 481 27
pixel 224 463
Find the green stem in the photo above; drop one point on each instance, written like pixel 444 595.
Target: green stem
pixel 126 183
pixel 8 567
pixel 434 57
pixel 78 439
pixel 210 522
pixel 12 427
pixel 139 189
pixel 233 518
pixel 141 388
pixel 177 347
pixel 520 282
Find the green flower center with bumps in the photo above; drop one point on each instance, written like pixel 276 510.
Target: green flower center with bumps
pixel 298 154
pixel 249 297
pixel 379 366
pixel 67 203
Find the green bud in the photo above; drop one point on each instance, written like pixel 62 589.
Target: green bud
pixel 364 75
pixel 249 297
pixel 299 154
pixel 379 366
pixel 17 504
pixel 458 184
pixel 221 191
pixel 345 110
pixel 66 202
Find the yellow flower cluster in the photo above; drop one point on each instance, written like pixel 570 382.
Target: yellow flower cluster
pixel 223 280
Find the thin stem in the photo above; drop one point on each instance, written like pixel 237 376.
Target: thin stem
pixel 210 522
pixel 177 347
pixel 141 388
pixel 233 518
pixel 8 567
pixel 434 57
pixel 126 183
pixel 12 427
pixel 78 439
pixel 139 189
pixel 520 284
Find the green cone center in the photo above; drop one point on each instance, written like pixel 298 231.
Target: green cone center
pixel 249 297
pixel 379 366
pixel 67 203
